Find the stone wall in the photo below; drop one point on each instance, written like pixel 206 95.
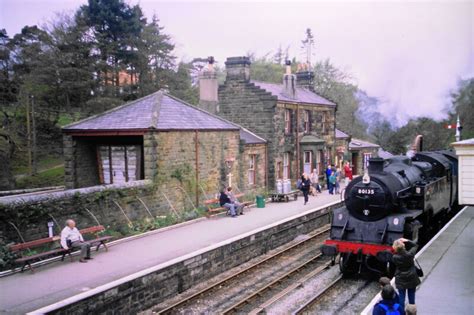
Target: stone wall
pixel 31 214
pixel 251 107
pixel 248 105
pixel 259 150
pixel 80 162
pixel 360 158
pixel 154 285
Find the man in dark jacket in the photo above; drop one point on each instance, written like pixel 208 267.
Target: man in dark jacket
pixel 225 202
pixel 406 278
pixel 388 304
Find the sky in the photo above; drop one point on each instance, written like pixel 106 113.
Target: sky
pixel 408 54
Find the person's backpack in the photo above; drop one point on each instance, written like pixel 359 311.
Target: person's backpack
pixel 393 310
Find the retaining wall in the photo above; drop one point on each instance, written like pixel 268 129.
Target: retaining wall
pixel 152 286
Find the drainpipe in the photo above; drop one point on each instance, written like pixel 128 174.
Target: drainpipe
pixel 297 142
pixel 266 165
pixel 196 149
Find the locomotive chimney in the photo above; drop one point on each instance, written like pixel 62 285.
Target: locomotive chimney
pixel 376 165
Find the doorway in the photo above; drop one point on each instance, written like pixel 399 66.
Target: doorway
pixel 307 162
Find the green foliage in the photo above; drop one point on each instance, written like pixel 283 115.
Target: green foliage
pixel 7 258
pixel 463 105
pixel 50 177
pixel 182 173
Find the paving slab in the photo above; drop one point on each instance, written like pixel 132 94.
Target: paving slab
pixel 449 287
pixel 25 292
pixel 448 264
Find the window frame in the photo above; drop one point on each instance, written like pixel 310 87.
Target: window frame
pixel 307 121
pixel 251 172
pixel 287 119
pixel 286 167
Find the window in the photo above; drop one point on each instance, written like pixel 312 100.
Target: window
pixel 367 157
pixel 287 120
pixel 279 170
pixel 307 121
pixel 307 162
pixel 286 165
pixel 251 171
pixel 323 123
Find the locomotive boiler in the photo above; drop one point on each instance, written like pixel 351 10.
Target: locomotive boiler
pixel 397 197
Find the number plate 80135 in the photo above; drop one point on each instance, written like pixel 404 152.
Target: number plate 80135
pixel 366 191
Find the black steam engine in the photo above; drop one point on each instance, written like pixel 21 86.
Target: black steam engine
pixel 398 197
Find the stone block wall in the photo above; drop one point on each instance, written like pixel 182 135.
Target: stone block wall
pixel 31 214
pixel 245 104
pixel 80 162
pixel 259 150
pixel 143 291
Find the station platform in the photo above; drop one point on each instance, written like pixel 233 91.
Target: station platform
pixel 447 286
pixel 26 292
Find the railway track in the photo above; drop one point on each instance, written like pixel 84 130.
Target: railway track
pixel 226 282
pixel 337 297
pixel 307 306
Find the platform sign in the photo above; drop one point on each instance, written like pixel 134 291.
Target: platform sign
pixel 465 152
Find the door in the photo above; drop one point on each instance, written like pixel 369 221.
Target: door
pixel 354 163
pixel 307 162
pixel 119 164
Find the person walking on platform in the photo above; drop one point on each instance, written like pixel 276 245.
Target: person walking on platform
pixel 347 173
pixel 314 177
pixel 332 182
pixel 406 277
pixel 305 186
pixel 388 304
pixel 225 202
pixel 328 174
pixel 71 238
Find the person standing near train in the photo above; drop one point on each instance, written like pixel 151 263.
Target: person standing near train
pixel 406 277
pixel 347 173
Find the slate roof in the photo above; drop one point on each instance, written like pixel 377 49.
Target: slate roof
pixel 356 144
pixel 384 154
pixel 158 111
pixel 466 142
pixel 250 138
pixel 341 134
pixel 302 95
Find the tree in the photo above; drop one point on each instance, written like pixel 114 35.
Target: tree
pixel 333 84
pixel 181 85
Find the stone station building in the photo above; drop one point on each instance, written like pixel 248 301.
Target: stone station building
pixel 298 124
pixel 165 140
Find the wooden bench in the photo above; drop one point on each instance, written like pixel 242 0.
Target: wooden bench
pixel 278 197
pixel 213 205
pixel 26 260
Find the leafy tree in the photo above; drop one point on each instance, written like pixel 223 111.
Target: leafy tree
pixel 181 85
pixel 333 84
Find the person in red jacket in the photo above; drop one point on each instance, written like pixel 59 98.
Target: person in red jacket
pixel 347 173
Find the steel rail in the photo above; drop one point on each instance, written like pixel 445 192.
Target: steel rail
pixel 263 307
pixel 316 297
pixel 246 300
pixel 170 308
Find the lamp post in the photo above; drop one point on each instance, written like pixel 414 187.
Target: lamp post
pixel 229 162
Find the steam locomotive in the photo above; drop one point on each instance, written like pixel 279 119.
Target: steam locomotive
pixel 397 197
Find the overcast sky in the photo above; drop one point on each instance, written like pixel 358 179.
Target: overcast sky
pixel 408 54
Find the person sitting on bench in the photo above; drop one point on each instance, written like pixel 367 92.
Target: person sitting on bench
pixel 225 202
pixel 72 238
pixel 235 201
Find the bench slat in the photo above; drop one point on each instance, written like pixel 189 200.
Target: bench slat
pixel 32 244
pixel 39 255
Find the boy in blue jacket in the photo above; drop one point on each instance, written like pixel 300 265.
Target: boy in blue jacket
pixel 388 304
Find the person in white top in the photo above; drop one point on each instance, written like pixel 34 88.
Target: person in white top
pixel 72 238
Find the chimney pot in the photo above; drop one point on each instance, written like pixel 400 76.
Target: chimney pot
pixel 238 68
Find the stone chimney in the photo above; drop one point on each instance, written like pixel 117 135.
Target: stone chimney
pixel 305 79
pixel 289 82
pixel 238 68
pixel 208 97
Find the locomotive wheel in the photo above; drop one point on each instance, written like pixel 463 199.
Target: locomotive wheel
pixel 347 264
